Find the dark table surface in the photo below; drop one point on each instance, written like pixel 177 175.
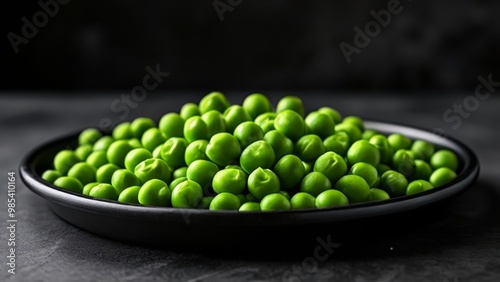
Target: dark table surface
pixel 461 244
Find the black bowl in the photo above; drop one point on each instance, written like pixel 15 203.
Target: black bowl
pixel 194 228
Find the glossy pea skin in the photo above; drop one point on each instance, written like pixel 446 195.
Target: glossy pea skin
pixel 354 187
pixel 97 159
pixel 196 150
pixel 290 171
pixel 418 186
pixel 105 173
pixel 332 113
pixel 51 175
pixel 315 183
pixel 367 171
pixel 173 150
pixel 157 151
pixel 399 141
pixel 378 195
pixel 383 146
pixel 82 171
pixel 122 131
pixel 135 156
pixel 309 147
pixel 171 125
pixel 223 148
pixel 320 124
pixel 338 143
pixel 256 104
pixel 262 182
pixel 291 124
pixel 234 115
pixel 205 202
pixel 103 191
pixel 195 129
pixel 275 202
pixel 230 180
pixel 444 158
pixel 225 201
pixel 213 101
pixel 331 198
pixel 257 154
pixel 202 172
pixel 83 151
pixel 186 194
pixel 215 122
pixel 69 183
pixel 249 206
pixel 140 125
pixel 266 121
pixel 151 138
pixel 423 150
pixel 130 195
pixel 394 183
pixel 331 165
pixel 103 143
pixel 176 181
pixel 381 168
pixel 154 193
pixel 403 163
pixel 292 103
pixel 135 143
pixel 122 179
pixel 368 134
pixel 442 176
pixel 354 120
pixel 64 160
pixel 247 133
pixel 422 170
pixel 363 151
pixel 87 187
pixel 89 136
pixel 302 200
pixel 117 152
pixel 352 130
pixel 180 172
pixel 281 144
pixel 189 110
pixel 153 169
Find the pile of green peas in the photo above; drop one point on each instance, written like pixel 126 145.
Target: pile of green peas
pixel 249 157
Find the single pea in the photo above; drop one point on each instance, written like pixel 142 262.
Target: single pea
pixel 97 159
pixel 275 202
pixel 117 152
pixel 89 136
pixel 302 200
pixel 354 187
pixel 86 189
pixel 381 168
pixel 266 121
pixel 103 143
pixel 242 198
pixel 230 180
pixel 176 182
pixel 309 147
pixel 423 150
pixel 173 150
pixel 223 149
pixel 257 154
pixel 354 120
pixel 252 198
pixel 83 151
pixel 320 124
pixel 378 195
pixel 135 143
pixel 256 104
pixel 332 113
pixel 171 125
pixel 225 201
pixel 363 151
pixel 215 122
pixel 233 116
pixel 399 141
pixel 394 183
pixel 103 191
pixel 331 198
pixel 369 133
pixel 444 158
pixel 187 194
pixel 180 172
pixel 154 193
pixel 403 163
pixel 205 203
pixel 122 131
pixel 367 171
pixel 140 125
pixel 130 195
pixel 196 150
pixel 285 193
pixel 105 173
pixel 195 129
pixel 247 133
pixel 315 183
pixel 189 110
pixel 213 101
pixel 291 124
pixel 262 182
pixel 151 138
pixel 308 167
pixel 122 179
pixel 249 206
pixel 202 172
pixel 331 165
pixel 292 103
pixel 281 144
pixel 82 171
pixel 290 171
pixel 135 156
pixel 338 143
pixel 442 176
pixel 422 170
pixel 352 130
pixel 64 160
pixel 51 175
pixel 157 151
pixel 418 186
pixel 383 146
pixel 69 183
pixel 153 169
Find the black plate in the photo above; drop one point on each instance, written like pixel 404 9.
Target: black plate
pixel 212 229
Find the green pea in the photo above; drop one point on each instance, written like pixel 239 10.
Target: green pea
pixel 195 129
pixel 275 202
pixel 320 124
pixel 117 152
pixel 354 187
pixel 331 165
pixel 352 130
pixel 83 151
pixel 442 176
pixel 153 169
pixel 315 183
pixel 157 151
pixel 234 115
pixel 383 146
pixel 354 120
pixel 51 175
pixel 135 143
pixel 86 189
pixel 308 167
pixel 213 101
pixel 97 159
pixel 381 168
pixel 252 198
pixel 418 186
pixel 105 173
pixel 410 153
pixel 302 200
pixel 444 158
pixel 202 172
pixel 215 122
pixel 89 136
pixel 122 131
pixel 309 147
pixel 332 113
pixel 363 151
pixel 422 170
pixel 136 156
pixel 292 103
pixel 187 194
pixel 331 198
pixel 180 172
pixel 196 150
pixel 242 198
pixel 223 149
pixel 256 104
pixel 290 171
pixel 205 202
pixel 82 171
pixel 280 143
pixel 378 195
pixel 69 183
pixel 154 193
pixel 258 154
pixel 403 163
pixel 291 124
pixel 423 150
pixel 189 110
pixel 103 143
pixel 64 160
pixel 130 195
pixel 122 179
pixel 338 143
pixel 394 183
pixel 171 125
pixel 230 180
pixel 140 125
pixel 249 207
pixel 399 141
pixel 173 150
pixel 225 201
pixel 151 138
pixel 367 171
pixel 266 121
pixel 176 182
pixel 247 133
pixel 262 182
pixel 103 191
pixel 368 134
